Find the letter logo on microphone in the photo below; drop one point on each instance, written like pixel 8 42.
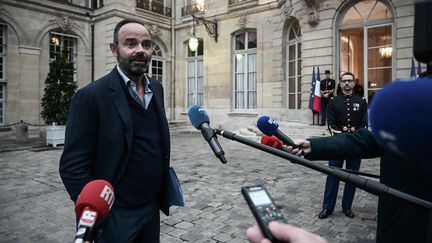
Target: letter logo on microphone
pixel 271 121
pixel 88 217
pixel 108 195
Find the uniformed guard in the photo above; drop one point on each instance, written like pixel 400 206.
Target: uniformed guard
pixel 327 88
pixel 346 112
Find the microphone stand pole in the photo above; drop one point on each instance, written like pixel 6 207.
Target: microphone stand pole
pixel 370 186
pixel 357 172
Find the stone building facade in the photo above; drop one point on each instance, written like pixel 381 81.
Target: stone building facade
pixel 260 62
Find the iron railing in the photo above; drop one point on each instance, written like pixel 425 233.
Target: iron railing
pixel 192 9
pixel 154 6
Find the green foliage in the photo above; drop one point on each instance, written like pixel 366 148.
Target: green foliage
pixel 59 89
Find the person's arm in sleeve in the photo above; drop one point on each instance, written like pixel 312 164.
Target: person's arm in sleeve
pixel 360 144
pixel 80 139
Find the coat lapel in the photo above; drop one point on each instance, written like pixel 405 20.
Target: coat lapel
pixel 158 98
pixel 121 104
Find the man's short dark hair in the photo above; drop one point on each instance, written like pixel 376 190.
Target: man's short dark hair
pixel 348 73
pixel 120 24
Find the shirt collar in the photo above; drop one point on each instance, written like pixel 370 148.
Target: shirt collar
pixel 126 79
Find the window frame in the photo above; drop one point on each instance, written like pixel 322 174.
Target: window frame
pixel 197 58
pixel 246 53
pixel 298 76
pixel 64 37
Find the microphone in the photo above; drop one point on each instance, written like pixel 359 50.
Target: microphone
pixel 200 120
pixel 370 186
pixel 93 206
pixel 401 118
pixel 276 143
pixel 270 127
pixel 272 141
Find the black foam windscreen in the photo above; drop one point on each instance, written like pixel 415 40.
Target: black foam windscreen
pixel 423 31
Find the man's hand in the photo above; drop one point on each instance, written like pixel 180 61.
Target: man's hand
pixel 285 233
pixel 303 147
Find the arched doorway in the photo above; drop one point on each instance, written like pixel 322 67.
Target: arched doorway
pixel 366 44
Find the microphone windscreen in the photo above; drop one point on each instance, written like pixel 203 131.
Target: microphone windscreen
pixel 98 195
pixel 197 116
pixel 267 125
pixel 271 141
pixel 401 117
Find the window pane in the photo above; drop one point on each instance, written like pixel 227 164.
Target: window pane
pixel 291 69
pixel 364 8
pixel 299 83
pixel 379 77
pixel 191 69
pixel 291 85
pixel 298 101
pixel 292 34
pixel 299 50
pixel 156 50
pixel 252 40
pixel 291 52
pixel 379 57
pixel 239 68
pixel 251 100
pixel 1 67
pixel 252 81
pixel 380 12
pixel 240 82
pixel 352 17
pixel 291 101
pixel 200 50
pixel 200 86
pixel 299 64
pixel 200 68
pixel 379 36
pixel 252 62
pixel 240 41
pixel 239 98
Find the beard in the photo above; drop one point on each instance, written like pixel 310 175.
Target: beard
pixel 133 69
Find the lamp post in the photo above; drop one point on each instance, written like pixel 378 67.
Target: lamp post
pixel 210 26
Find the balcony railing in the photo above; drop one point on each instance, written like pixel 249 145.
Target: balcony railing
pixel 154 6
pixel 192 9
pixel 231 2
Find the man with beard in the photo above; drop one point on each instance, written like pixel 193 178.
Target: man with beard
pixel 117 131
pixel 345 113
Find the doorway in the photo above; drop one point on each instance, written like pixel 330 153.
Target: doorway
pixel 366 46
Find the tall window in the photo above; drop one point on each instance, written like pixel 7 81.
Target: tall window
pixel 294 63
pixel 60 41
pixel 2 103
pixel 366 44
pixel 195 76
pixel 156 67
pixel 2 51
pixel 3 42
pixel 245 70
pixel 94 4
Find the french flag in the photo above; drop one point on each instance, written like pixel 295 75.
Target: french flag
pixel 315 95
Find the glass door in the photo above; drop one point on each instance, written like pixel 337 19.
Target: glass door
pixel 379 58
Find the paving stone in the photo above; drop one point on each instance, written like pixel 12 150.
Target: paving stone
pixel 215 210
pixel 183 225
pixel 222 237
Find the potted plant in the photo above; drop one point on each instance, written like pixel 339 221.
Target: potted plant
pixel 59 89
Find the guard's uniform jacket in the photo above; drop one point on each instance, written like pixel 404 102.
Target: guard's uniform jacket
pixel 346 113
pixel 328 85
